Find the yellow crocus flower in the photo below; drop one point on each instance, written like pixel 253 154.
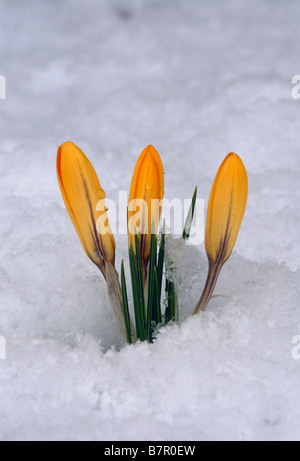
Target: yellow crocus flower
pixel 145 194
pixel 225 211
pixel 84 200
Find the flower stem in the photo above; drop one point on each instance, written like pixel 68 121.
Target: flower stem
pixel 211 280
pixel 116 302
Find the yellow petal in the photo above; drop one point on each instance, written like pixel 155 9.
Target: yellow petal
pixel 83 197
pixel 145 195
pixel 226 207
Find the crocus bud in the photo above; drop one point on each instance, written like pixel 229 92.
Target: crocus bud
pixel 226 207
pixel 225 211
pixel 145 195
pixel 84 200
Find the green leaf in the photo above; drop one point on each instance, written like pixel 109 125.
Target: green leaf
pixel 189 218
pixel 139 267
pixel 125 303
pixel 138 297
pixel 151 307
pixel 170 313
pixel 161 257
pixel 158 316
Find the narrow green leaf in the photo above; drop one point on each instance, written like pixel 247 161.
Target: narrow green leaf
pixel 161 257
pixel 151 290
pixel 158 316
pixel 125 303
pixel 189 218
pixel 139 309
pixel 170 313
pixel 138 261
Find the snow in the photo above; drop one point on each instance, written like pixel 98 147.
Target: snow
pixel 197 80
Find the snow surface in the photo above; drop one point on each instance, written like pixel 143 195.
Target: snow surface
pixel 197 80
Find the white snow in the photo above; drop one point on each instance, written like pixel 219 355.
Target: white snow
pixel 197 80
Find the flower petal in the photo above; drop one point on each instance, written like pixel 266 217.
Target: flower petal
pixel 225 211
pixel 83 197
pixel 146 192
pixel 226 207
